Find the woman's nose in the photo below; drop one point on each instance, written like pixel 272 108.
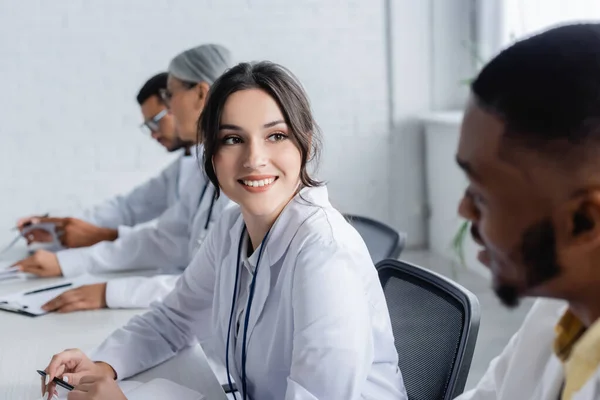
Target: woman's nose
pixel 256 156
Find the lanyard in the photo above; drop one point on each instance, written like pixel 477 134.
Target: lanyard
pixel 212 203
pixel 248 307
pixel 210 210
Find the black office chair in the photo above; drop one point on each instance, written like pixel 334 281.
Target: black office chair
pixel 435 323
pixel 381 240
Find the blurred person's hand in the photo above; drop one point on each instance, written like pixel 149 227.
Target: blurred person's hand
pixel 38 235
pixel 88 297
pixel 34 235
pixel 26 221
pixel 74 232
pixel 42 263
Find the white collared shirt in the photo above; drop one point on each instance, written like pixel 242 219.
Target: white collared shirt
pixel 144 202
pixel 528 368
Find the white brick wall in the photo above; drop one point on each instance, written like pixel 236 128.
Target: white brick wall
pixel 71 69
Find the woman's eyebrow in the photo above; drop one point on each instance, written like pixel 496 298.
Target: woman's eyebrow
pixel 273 123
pixel 233 127
pixel 230 127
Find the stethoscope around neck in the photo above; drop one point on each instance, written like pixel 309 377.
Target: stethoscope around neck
pixel 248 308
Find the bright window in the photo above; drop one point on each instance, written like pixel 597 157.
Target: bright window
pixel 525 17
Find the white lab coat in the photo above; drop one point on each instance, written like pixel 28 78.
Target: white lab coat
pixel 319 326
pixel 168 246
pixel 145 202
pixel 527 368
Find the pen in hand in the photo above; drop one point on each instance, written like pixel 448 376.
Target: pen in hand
pixel 59 382
pixel 29 223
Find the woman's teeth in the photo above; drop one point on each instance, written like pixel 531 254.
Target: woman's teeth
pixel 259 183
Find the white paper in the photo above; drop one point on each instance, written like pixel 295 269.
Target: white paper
pixel 33 303
pixel 163 389
pixel 156 389
pixel 13 277
pixel 9 273
pixel 126 387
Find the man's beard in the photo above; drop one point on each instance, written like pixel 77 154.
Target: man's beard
pixel 177 144
pixel 538 256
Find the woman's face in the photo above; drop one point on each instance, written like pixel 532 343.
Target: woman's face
pixel 257 164
pixel 186 103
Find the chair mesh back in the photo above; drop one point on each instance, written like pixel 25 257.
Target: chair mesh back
pixel 427 325
pixel 381 242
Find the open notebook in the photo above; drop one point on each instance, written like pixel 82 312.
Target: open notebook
pixel 156 389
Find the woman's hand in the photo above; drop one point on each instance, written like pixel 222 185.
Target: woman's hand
pixel 71 366
pixel 97 387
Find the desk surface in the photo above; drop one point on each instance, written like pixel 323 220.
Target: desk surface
pixel 29 343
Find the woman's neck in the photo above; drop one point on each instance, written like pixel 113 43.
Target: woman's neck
pixel 257 228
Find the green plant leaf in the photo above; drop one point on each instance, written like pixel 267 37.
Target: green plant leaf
pixel 458 242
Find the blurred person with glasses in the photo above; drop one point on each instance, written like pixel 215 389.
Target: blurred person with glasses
pixel 115 217
pixel 167 246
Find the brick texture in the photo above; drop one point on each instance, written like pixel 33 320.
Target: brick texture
pixel 71 69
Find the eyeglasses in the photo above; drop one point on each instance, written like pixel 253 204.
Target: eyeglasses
pixel 152 125
pixel 166 95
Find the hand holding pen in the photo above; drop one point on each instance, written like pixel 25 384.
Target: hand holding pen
pixel 78 370
pixel 28 221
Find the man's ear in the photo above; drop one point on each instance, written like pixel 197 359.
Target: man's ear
pixel 581 221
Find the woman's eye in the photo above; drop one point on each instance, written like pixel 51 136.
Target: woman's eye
pixel 276 137
pixel 232 140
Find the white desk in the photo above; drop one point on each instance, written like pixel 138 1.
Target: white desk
pixel 27 344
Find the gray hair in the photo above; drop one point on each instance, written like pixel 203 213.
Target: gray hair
pixel 204 63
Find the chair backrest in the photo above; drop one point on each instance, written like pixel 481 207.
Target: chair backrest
pixel 382 240
pixel 435 323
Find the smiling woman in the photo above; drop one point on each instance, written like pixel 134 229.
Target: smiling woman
pixel 283 285
pixel 287 96
pixel 258 138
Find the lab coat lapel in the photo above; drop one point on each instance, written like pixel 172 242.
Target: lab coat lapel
pixel 298 210
pixel 549 387
pixel 229 267
pixel 261 291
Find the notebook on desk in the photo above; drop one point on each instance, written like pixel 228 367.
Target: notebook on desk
pixel 8 273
